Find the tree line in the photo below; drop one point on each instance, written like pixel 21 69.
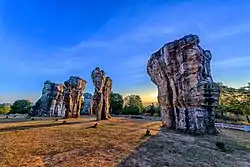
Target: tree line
pixel 234 101
pixel 131 105
pixel 18 107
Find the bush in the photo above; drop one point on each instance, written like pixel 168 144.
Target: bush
pixel 5 108
pixel 116 103
pixel 152 110
pixel 21 107
pixel 131 110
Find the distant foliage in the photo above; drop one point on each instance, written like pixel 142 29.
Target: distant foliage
pixel 116 103
pixel 131 110
pixel 21 107
pixel 133 105
pixel 5 108
pixel 235 101
pixel 152 110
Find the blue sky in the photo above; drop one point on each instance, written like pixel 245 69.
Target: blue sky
pixel 53 39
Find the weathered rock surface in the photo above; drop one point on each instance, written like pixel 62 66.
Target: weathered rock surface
pixel 100 103
pixel 87 103
pixel 73 96
pixel 106 98
pixel 51 102
pixel 186 92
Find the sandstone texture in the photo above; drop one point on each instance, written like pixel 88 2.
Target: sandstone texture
pixel 87 103
pixel 74 88
pixel 51 103
pixel 100 104
pixel 186 92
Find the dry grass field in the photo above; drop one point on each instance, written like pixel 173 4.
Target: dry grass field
pixel 117 142
pixel 51 143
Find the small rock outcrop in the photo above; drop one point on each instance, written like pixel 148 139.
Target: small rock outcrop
pixel 186 92
pixel 51 103
pixel 87 103
pixel 101 102
pixel 73 92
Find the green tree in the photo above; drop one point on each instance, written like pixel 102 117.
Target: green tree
pixel 245 97
pixel 131 110
pixel 236 101
pixel 116 103
pixel 21 107
pixel 133 105
pixel 5 108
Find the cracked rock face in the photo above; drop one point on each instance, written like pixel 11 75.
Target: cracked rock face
pixel 74 88
pixel 51 103
pixel 100 101
pixel 186 92
pixel 87 103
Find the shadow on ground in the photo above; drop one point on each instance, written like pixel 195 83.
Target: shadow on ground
pixel 33 126
pixel 169 148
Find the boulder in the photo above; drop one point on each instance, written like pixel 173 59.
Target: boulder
pixel 51 103
pixel 187 94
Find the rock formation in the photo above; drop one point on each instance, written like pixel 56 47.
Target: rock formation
pixel 51 102
pixel 87 103
pixel 100 104
pixel 186 92
pixel 106 98
pixel 73 96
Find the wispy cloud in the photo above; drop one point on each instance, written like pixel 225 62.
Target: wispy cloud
pixel 233 62
pixel 229 30
pixel 138 36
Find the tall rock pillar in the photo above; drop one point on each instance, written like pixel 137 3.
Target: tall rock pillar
pixel 74 88
pixel 187 94
pixel 101 98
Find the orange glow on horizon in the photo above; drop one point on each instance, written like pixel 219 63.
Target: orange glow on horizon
pixel 146 96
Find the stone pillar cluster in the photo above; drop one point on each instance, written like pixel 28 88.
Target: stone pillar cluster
pixel 60 100
pixel 65 100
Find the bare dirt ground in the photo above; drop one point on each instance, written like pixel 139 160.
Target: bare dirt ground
pixel 117 142
pixel 169 148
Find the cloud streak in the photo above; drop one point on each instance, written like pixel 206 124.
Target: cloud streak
pixel 233 63
pixel 229 31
